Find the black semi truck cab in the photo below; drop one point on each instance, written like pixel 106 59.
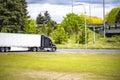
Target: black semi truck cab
pixel 46 43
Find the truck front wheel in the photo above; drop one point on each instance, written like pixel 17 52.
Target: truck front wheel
pixel 38 49
pixel 53 49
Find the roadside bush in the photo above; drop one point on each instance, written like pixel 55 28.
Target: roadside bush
pixel 30 26
pixel 114 39
pixel 59 35
pixel 4 29
pixel 80 38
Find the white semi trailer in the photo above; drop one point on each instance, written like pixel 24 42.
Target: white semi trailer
pixel 33 42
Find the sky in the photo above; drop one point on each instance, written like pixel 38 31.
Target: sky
pixel 59 8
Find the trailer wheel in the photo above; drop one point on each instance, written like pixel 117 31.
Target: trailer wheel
pixel 2 49
pixel 34 49
pixel 7 49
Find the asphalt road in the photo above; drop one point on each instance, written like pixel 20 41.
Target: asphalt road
pixel 60 51
pixel 109 51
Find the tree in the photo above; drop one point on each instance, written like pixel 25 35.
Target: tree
pixel 52 25
pixel 30 26
pixel 40 19
pixel 80 38
pixel 47 25
pixel 12 15
pixel 113 16
pixel 95 20
pixel 59 35
pixel 47 17
pixel 75 24
pixel 43 19
pixel 71 23
pixel 118 18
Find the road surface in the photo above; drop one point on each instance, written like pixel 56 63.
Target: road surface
pixel 108 51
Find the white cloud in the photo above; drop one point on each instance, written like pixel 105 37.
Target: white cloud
pixel 92 9
pixel 58 11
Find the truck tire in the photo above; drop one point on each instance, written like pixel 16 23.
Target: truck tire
pixel 2 49
pixel 34 49
pixel 7 49
pixel 38 49
pixel 53 49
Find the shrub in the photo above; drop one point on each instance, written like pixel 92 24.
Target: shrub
pixel 59 35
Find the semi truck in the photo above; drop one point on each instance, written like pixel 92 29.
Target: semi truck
pixel 33 42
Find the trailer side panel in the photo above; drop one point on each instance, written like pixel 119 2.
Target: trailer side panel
pixel 20 40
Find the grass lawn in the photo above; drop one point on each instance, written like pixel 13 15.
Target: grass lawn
pixel 49 66
pixel 97 45
pixel 100 43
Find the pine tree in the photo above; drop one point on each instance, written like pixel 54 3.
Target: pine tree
pixel 47 17
pixel 40 19
pixel 43 19
pixel 12 15
pixel 45 23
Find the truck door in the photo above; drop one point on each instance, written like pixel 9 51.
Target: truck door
pixel 45 42
pixel 42 41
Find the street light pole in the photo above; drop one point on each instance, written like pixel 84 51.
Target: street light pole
pixel 72 6
pixel 85 28
pixel 93 26
pixel 85 23
pixel 104 17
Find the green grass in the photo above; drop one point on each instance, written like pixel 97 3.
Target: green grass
pixel 100 43
pixel 86 66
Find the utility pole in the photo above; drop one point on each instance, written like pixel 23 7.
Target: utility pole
pixel 93 26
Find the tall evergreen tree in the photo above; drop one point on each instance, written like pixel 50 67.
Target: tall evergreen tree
pixel 47 17
pixel 12 15
pixel 46 24
pixel 40 19
pixel 43 18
